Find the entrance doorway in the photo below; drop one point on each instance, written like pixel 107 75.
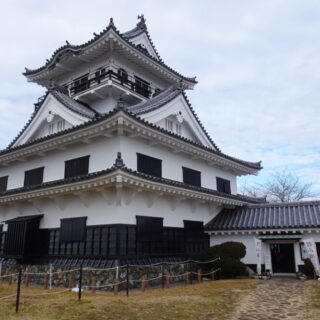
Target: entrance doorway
pixel 282 257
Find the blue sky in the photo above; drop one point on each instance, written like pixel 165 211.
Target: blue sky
pixel 257 63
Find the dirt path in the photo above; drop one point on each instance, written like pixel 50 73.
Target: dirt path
pixel 273 300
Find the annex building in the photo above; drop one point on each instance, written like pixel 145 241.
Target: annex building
pixel 114 165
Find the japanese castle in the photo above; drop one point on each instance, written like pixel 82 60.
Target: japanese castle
pixel 114 165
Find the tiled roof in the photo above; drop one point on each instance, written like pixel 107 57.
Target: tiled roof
pixel 165 97
pixel 252 165
pixel 78 49
pixel 73 105
pixel 93 175
pixel 157 101
pixel 268 216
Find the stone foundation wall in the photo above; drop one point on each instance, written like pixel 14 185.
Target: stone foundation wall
pixel 104 278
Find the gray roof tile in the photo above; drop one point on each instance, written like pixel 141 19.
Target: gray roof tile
pixel 268 216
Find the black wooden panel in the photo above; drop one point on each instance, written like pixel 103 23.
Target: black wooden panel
pixel 16 239
pixel 3 184
pixel 191 177
pixel 73 229
pixel 149 165
pixel 33 177
pixel 193 226
pixel 223 185
pixel 76 167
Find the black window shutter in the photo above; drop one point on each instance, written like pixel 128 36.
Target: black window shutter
pixel 73 229
pixel 76 167
pixel 33 177
pixel 149 165
pixel 223 185
pixel 191 177
pixel 3 184
pixel 149 228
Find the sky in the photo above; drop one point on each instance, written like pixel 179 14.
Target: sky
pixel 257 63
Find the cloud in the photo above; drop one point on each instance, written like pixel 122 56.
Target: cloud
pixel 257 64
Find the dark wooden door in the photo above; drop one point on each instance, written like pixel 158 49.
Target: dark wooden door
pixel 282 256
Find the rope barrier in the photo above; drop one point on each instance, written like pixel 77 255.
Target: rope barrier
pixel 107 285
pixel 8 275
pixel 46 293
pixel 57 272
pixel 6 297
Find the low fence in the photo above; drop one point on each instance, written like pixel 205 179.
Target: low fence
pixel 118 279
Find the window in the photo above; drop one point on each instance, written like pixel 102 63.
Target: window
pixel 149 235
pixel 192 177
pixel 169 125
pixel 223 185
pixel 100 75
pixel 76 167
pixel 123 75
pixel 3 184
pixel 33 177
pixel 73 229
pixel 142 87
pixel 81 84
pixel 149 165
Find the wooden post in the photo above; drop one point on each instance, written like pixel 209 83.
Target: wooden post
pixel 127 287
pixel 70 282
pixel 80 283
pixel 116 287
pixel 167 281
pixel 18 290
pixel 26 280
pixel 45 281
pixel 199 275
pixel 187 278
pixel 162 275
pixel 143 280
pixel 10 280
pixel 93 284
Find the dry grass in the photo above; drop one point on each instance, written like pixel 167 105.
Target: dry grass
pixel 210 300
pixel 312 295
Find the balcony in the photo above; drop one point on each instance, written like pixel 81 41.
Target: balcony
pixel 106 76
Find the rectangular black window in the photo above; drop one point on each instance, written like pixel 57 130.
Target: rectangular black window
pixel 76 167
pixel 193 226
pixel 223 185
pixel 149 228
pixel 81 83
pixel 3 184
pixel 149 165
pixel 73 229
pixel 142 87
pixel 192 177
pixel 33 177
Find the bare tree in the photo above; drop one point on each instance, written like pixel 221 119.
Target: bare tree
pixel 283 186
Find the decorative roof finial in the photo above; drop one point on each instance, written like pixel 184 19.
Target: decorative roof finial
pixel 142 22
pixel 119 161
pixel 111 24
pixel 67 43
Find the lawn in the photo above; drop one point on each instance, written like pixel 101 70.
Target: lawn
pixel 209 300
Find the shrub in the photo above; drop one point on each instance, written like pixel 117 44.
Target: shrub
pixel 230 254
